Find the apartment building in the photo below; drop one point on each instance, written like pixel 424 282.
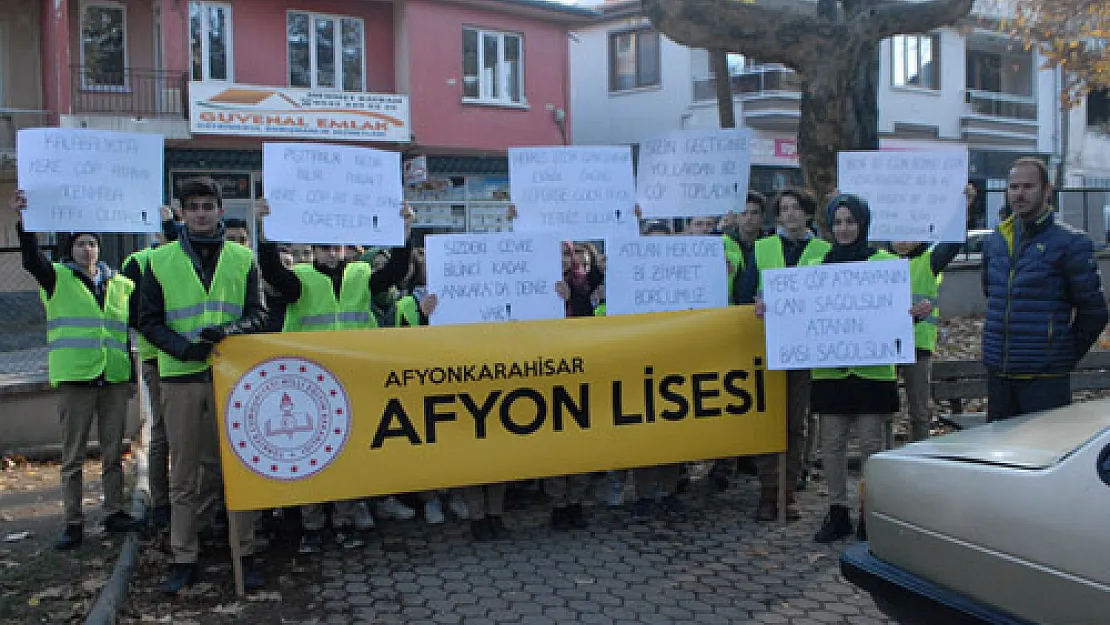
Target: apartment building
pixel 967 84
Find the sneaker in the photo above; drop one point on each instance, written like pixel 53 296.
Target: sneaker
pixel 616 493
pixel 837 525
pixel 70 537
pixel 364 521
pixel 392 508
pixel 180 576
pixel 458 507
pixel 311 542
pixel 120 522
pixel 433 512
pixel 481 530
pixel 643 509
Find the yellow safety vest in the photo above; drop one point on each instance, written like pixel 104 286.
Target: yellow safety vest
pixel 407 312
pixel 735 255
pixel 318 310
pixel 147 351
pixel 882 373
pixel 926 287
pixel 189 307
pixel 769 254
pixel 85 340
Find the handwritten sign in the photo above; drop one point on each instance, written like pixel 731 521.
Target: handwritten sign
pixel 839 315
pixel 90 180
pixel 914 195
pixel 694 173
pixel 332 194
pixel 494 277
pixel 663 274
pixel 578 192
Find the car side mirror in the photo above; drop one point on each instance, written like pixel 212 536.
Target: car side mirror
pixel 1104 465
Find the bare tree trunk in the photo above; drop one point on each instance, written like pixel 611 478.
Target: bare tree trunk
pixel 718 64
pixel 839 111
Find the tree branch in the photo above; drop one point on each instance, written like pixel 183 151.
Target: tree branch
pixel 892 17
pixel 782 32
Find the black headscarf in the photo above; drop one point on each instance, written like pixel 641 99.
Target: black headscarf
pixel 857 250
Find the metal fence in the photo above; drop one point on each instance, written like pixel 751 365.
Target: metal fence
pixel 22 322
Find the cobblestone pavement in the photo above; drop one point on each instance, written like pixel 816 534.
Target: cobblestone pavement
pixel 713 564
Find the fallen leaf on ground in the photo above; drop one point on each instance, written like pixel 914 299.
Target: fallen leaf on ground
pixel 264 596
pixel 18 536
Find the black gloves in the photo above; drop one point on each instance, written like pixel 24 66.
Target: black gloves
pixel 213 334
pixel 198 352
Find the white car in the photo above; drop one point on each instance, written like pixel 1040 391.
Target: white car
pixel 1005 523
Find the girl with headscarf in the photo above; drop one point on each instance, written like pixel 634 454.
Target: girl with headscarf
pixel 865 397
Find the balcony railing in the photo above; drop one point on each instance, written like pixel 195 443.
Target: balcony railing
pixel 132 92
pixel 1003 105
pixel 754 81
pixel 13 120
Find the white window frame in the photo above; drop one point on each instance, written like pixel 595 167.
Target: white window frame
pixel 503 75
pixel 902 61
pixel 104 4
pixel 337 46
pixel 205 68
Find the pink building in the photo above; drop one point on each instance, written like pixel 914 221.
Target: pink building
pixel 455 82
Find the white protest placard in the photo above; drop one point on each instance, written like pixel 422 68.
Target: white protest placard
pixel 494 277
pixel 91 180
pixel 333 194
pixel 578 192
pixel 693 173
pixel 839 315
pixel 663 274
pixel 914 195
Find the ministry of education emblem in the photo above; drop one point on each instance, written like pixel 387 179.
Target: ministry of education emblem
pixel 287 418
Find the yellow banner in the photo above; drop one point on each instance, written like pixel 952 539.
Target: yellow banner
pixel 328 416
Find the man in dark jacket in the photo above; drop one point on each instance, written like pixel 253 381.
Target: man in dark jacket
pixel 1045 304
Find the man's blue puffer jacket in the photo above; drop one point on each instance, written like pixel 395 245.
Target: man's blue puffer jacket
pixel 1031 293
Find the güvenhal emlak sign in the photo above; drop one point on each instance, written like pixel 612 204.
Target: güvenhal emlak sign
pixel 248 110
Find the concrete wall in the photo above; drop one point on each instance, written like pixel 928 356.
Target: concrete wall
pixel 941 108
pixel 31 420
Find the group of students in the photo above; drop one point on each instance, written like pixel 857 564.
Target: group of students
pixel 203 284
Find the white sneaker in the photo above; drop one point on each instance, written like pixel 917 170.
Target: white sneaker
pixel 392 508
pixel 458 507
pixel 433 512
pixel 364 521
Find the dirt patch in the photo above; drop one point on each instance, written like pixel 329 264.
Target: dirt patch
pixel 212 600
pixel 37 583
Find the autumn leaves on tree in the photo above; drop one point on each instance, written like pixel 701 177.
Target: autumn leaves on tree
pixel 1070 33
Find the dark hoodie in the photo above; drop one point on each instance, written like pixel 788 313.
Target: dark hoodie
pixel 857 250
pixel 204 252
pixel 36 263
pixel 288 285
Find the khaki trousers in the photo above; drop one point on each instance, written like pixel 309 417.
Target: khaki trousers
pixel 797 414
pixel 78 404
pixel 195 476
pixel 567 490
pixel 485 500
pixel 835 429
pixel 158 456
pixel 917 378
